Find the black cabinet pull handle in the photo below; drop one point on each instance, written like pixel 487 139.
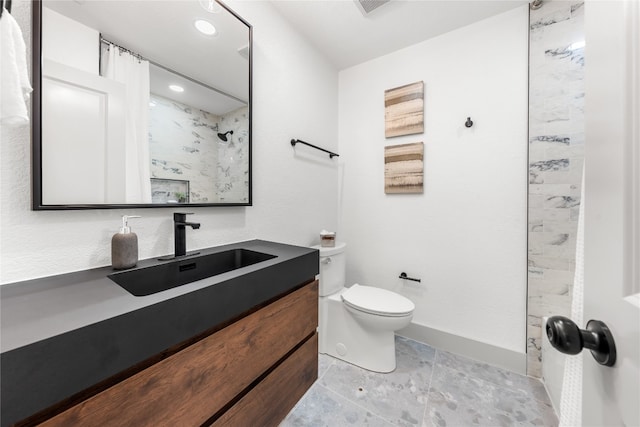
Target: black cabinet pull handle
pixel 566 337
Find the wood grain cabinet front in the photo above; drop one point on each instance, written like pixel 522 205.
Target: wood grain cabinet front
pixel 252 372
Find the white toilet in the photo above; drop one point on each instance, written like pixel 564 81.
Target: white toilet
pixel 357 324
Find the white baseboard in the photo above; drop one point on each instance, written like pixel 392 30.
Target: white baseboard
pixel 483 352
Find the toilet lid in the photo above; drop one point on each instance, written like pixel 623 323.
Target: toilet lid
pixel 377 301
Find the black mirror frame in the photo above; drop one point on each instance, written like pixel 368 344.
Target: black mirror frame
pixel 36 128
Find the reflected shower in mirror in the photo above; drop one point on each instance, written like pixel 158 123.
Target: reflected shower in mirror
pixel 141 104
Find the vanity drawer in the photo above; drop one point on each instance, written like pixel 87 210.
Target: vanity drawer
pixel 271 400
pixel 191 386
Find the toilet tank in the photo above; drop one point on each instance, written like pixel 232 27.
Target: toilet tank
pixel 332 268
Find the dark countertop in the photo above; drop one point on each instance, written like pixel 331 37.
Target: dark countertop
pixel 66 333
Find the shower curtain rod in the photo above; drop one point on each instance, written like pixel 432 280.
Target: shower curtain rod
pixel 142 58
pixel 129 51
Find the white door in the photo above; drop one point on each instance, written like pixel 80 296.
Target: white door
pixel 83 135
pixel 611 395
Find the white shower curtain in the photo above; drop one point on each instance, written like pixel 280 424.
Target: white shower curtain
pixel 133 72
pixel 571 395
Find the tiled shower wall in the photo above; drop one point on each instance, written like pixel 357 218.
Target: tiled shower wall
pixel 232 179
pixel 184 146
pixel 556 152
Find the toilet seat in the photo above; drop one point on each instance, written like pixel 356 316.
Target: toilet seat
pixel 380 302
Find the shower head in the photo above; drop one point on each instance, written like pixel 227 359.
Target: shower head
pixel 223 136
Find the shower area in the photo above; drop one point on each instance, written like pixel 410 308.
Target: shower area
pixel 556 158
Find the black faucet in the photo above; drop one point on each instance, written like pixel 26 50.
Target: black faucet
pixel 179 233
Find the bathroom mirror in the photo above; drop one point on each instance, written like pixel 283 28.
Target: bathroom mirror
pixel 140 104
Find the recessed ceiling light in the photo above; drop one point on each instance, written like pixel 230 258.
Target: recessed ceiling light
pixel 205 27
pixel 176 88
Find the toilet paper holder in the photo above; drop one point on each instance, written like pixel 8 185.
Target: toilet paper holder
pixel 404 276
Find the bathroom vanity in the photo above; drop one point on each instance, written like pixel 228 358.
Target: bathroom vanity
pixel 237 348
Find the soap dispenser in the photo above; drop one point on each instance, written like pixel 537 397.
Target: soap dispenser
pixel 124 246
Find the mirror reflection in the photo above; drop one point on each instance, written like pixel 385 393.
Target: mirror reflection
pixel 144 103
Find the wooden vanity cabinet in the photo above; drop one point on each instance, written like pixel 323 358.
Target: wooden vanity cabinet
pixel 251 373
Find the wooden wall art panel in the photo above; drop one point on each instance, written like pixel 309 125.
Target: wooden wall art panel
pixel 403 168
pixel 404 110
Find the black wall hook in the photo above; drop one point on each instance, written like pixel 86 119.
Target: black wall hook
pixel 468 123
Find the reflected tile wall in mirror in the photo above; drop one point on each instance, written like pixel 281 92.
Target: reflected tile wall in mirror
pixel 184 145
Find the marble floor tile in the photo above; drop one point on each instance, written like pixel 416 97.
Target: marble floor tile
pixel 324 363
pixel 493 374
pixel 457 399
pixel 398 397
pixel 429 387
pixel 321 407
pixel 408 348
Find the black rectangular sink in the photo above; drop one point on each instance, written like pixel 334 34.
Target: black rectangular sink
pixel 150 280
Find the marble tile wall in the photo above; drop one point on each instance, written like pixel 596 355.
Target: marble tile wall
pixel 183 144
pixel 232 178
pixel 556 152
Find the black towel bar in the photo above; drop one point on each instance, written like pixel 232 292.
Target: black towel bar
pixel 331 154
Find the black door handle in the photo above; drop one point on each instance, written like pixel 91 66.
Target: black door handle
pixel 565 336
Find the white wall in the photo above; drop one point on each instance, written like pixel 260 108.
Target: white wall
pixel 70 42
pixel 295 95
pixel 465 237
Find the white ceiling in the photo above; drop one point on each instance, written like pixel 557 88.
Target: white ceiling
pixel 346 37
pixel 195 94
pixel 163 32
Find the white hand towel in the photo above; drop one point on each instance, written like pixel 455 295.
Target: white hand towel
pixel 15 87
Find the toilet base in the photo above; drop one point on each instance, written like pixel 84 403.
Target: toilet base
pixel 344 337
pixel 383 359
